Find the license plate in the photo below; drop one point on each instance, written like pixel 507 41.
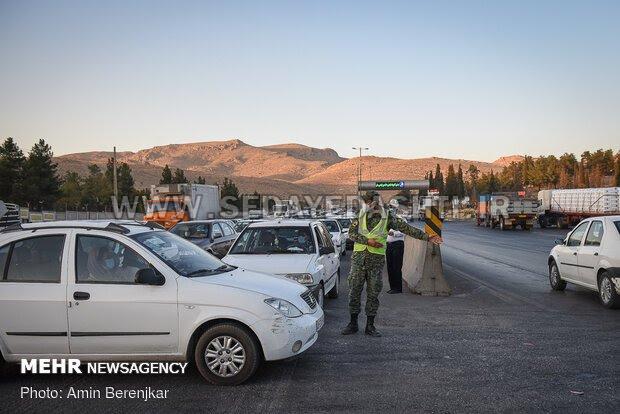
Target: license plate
pixel 320 323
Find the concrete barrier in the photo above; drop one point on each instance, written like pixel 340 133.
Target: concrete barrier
pixel 423 269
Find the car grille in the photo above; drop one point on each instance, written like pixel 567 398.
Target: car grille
pixel 309 298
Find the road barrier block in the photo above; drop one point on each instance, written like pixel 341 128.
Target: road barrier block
pixel 422 266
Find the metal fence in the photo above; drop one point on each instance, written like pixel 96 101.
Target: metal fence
pixel 36 217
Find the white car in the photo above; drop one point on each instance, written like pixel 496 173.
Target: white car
pixel 589 256
pixel 108 291
pixel 338 236
pixel 300 250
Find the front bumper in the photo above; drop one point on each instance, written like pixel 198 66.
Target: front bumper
pixel 278 335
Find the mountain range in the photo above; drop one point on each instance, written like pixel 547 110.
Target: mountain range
pixel 284 169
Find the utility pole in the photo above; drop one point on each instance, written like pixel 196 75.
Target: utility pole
pixel 115 178
pixel 359 165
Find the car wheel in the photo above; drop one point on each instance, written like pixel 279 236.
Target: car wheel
pixel 502 224
pixel 320 297
pixel 554 277
pixel 607 291
pixel 333 293
pixel 227 354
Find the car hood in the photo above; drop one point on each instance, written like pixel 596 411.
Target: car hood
pixel 265 284
pixel 270 263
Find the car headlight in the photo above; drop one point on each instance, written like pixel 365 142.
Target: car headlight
pixel 303 278
pixel 284 307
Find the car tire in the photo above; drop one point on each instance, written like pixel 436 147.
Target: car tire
pixel 607 292
pixel 502 224
pixel 555 280
pixel 218 336
pixel 333 293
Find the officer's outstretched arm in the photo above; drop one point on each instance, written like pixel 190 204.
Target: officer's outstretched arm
pixel 396 223
pixel 354 233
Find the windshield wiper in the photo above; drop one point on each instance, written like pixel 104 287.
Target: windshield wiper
pixel 199 271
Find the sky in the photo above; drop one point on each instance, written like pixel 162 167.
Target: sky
pixel 458 79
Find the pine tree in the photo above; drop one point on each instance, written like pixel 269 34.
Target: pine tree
pixel 70 192
pixel 97 189
pixel 618 170
pixel 166 176
pixel 12 162
pixel 451 183
pixel 229 189
pixel 41 182
pixel 460 183
pixel 123 177
pixel 439 184
pixel 200 180
pixel 179 177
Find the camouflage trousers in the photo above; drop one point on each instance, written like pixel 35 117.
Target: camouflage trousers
pixel 366 268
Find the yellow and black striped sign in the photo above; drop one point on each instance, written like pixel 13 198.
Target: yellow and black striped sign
pixel 432 224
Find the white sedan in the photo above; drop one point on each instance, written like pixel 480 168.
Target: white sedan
pixel 300 250
pixel 589 256
pixel 339 238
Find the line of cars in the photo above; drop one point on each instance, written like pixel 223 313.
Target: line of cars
pixel 116 290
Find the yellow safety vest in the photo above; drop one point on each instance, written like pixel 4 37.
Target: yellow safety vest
pixel 379 233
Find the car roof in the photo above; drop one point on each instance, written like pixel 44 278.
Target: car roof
pixel 127 227
pixel 283 223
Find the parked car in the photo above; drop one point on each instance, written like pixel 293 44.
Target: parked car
pixel 589 256
pixel 301 250
pixel 338 237
pixel 345 223
pixel 213 236
pixel 144 294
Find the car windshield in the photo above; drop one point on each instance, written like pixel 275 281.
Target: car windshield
pixel 192 230
pixel 184 257
pixel 332 226
pixel 345 223
pixel 274 240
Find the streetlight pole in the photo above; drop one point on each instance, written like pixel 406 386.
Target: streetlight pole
pixel 359 165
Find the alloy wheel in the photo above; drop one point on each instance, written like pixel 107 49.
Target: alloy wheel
pixel 225 356
pixel 605 290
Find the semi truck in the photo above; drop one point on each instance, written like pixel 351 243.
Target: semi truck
pixel 172 203
pixel 507 210
pixel 564 208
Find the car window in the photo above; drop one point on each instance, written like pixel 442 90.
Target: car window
pixel 274 240
pixel 595 234
pixel 345 223
pixel 217 230
pixel 36 259
pixel 227 230
pixel 184 257
pixel 4 255
pixel 332 226
pixel 192 230
pixel 319 237
pixel 328 237
pixel 577 234
pixel 104 260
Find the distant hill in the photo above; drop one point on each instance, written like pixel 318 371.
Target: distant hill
pixel 275 169
pixel 506 161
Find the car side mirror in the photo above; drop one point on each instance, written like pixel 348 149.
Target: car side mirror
pixel 559 241
pixel 150 277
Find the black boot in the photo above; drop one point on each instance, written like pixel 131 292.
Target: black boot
pixel 352 327
pixel 370 327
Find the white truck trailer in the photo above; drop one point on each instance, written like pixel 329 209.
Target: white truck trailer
pixel 564 208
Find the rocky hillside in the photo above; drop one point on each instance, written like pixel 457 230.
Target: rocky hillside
pixel 275 169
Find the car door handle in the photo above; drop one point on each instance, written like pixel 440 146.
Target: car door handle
pixel 81 295
pixel 575 254
pixel 596 253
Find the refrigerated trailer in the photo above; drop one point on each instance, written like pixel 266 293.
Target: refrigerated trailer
pixel 564 208
pixel 171 203
pixel 507 210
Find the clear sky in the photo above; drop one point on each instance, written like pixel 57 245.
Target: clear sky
pixel 460 79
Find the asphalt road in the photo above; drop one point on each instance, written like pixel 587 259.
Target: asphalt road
pixel 502 342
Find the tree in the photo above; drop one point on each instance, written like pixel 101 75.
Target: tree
pixel 451 189
pixel 438 182
pixel 179 177
pixel 70 192
pixel 460 183
pixel 618 169
pixel 41 182
pixel 12 162
pixel 200 180
pixel 97 189
pixel 123 177
pixel 166 176
pixel 229 189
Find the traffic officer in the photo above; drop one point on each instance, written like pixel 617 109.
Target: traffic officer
pixel 369 232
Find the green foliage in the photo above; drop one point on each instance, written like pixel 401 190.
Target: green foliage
pixel 200 180
pixel 40 180
pixel 179 177
pixel 166 176
pixel 12 162
pixel 229 189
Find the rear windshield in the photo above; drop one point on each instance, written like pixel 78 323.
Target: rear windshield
pixel 192 230
pixel 274 240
